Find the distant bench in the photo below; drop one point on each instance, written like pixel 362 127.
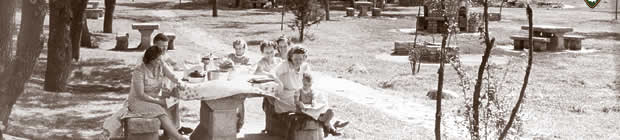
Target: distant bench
pixel 522 41
pixel 573 42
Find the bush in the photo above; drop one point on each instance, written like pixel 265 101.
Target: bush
pixel 307 13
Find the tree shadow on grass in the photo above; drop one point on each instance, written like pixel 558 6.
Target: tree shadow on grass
pixel 92 76
pixel 601 35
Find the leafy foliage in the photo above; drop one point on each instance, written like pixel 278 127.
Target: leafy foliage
pixel 307 13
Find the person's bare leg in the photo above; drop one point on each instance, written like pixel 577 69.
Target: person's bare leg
pixel 170 128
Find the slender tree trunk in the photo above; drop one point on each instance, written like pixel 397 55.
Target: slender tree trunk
pixel 415 43
pixel 108 16
pixel 485 58
pixel 501 6
pixel 7 28
pixel 78 7
pixel 29 47
pixel 326 7
pixel 441 74
pixel 85 40
pixel 214 8
pixel 513 114
pixel 59 46
pixel 283 10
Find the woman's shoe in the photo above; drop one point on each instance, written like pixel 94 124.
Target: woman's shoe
pixel 185 131
pixel 341 125
pixel 334 132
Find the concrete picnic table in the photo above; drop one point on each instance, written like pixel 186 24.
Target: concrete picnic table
pixel 555 33
pixel 220 101
pixel 146 30
pixel 364 6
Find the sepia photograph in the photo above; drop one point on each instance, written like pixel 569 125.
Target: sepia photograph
pixel 309 70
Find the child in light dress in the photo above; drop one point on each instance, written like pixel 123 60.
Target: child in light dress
pixel 239 57
pixel 268 61
pixel 315 105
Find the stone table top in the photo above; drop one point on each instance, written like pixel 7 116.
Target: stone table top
pixel 548 28
pixel 363 3
pixel 145 26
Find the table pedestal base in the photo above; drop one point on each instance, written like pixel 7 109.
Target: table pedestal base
pixel 218 119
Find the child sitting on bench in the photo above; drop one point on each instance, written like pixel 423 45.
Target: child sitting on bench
pixel 315 105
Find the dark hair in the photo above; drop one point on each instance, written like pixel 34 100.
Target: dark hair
pixel 296 50
pixel 264 44
pixel 151 54
pixel 160 37
pixel 307 76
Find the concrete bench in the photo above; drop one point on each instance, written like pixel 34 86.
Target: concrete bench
pixel 146 30
pixel 93 13
pixel 122 41
pixel 350 11
pixel 93 5
pixel 573 42
pixel 521 41
pixel 306 128
pixel 137 128
pixel 171 37
pixel 376 12
pixel 403 47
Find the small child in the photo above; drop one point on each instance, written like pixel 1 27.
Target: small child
pixel 315 105
pixel 269 61
pixel 239 57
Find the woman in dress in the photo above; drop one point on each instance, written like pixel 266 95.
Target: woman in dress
pixel 146 85
pixel 289 75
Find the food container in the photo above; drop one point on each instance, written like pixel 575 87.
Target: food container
pixel 218 75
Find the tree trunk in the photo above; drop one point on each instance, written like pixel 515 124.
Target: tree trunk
pixel 85 40
pixel 78 7
pixel 7 27
pixel 416 55
pixel 500 8
pixel 28 50
pixel 513 114
pixel 108 16
pixel 485 58
pixel 326 7
pixel 59 46
pixel 439 93
pixel 214 8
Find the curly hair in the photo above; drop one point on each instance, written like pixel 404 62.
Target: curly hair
pixel 240 42
pixel 296 50
pixel 151 54
pixel 307 77
pixel 264 44
pixel 160 37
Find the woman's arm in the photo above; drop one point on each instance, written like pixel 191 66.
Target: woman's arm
pixel 170 75
pixel 137 82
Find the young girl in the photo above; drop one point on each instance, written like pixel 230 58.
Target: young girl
pixel 315 105
pixel 269 61
pixel 239 57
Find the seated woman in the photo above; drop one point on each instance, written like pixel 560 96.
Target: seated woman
pixel 282 47
pixel 289 76
pixel 146 84
pixel 315 105
pixel 264 66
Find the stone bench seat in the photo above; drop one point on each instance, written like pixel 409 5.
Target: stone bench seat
pixel 573 42
pixel 93 13
pixel 521 41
